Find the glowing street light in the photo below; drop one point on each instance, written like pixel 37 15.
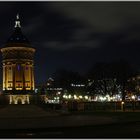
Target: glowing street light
pixel 86 97
pixel 133 97
pixel 75 97
pixel 70 96
pixel 80 97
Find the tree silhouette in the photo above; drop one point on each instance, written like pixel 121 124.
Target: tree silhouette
pixel 65 79
pixel 118 72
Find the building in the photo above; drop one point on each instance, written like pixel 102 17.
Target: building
pixel 18 67
pixel 50 92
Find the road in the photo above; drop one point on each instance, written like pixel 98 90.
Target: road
pixel 126 130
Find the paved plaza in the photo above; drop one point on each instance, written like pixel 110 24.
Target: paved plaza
pixel 31 116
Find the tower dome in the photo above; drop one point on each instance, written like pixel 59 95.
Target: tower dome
pixel 17 36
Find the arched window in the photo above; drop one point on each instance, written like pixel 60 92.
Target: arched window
pixel 18 67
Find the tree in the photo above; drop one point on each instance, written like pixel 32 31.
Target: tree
pixel 123 71
pixel 65 79
pixel 118 72
pixel 104 81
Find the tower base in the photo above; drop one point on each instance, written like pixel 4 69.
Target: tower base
pixel 19 99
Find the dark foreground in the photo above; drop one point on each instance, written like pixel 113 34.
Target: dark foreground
pixel 126 130
pixel 30 121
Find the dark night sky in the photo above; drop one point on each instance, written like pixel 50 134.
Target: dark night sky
pixel 75 35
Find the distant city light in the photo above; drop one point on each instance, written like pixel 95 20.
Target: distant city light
pixel 133 97
pixel 122 103
pixel 86 97
pixel 75 97
pixel 59 92
pixel 70 96
pixel 80 97
pixel 77 85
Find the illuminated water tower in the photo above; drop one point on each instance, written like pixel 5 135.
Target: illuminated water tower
pixel 18 67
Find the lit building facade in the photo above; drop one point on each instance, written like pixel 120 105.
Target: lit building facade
pixel 18 67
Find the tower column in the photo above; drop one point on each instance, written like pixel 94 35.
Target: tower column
pixel 6 77
pixel 3 76
pixel 13 82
